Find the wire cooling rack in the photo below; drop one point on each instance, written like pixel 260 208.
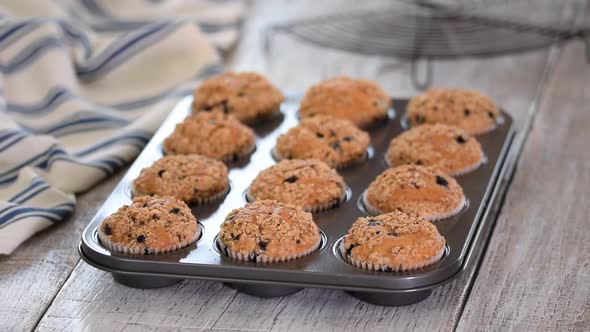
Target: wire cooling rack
pixel 442 29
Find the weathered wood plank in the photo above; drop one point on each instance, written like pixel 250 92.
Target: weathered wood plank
pixel 31 277
pixel 91 300
pixel 536 272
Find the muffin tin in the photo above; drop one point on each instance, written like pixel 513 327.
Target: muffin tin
pixel 465 233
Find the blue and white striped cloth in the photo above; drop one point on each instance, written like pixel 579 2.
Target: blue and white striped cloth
pixel 83 86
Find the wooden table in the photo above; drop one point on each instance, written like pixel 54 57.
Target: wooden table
pixel 535 274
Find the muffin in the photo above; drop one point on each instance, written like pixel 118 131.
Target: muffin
pixel 421 190
pixel 212 134
pixel 469 110
pixel 394 241
pixel 268 232
pixel 447 148
pixel 150 225
pixel 310 184
pixel 361 101
pixel 337 142
pixel 248 96
pixel 191 178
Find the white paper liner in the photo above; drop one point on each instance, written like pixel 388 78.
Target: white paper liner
pixel 140 250
pixel 314 209
pixel 245 257
pixel 386 267
pixel 358 161
pixel 435 217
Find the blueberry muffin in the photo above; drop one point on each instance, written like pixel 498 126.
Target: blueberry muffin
pixel 421 190
pixel 268 232
pixel 310 184
pixel 247 95
pixel 212 134
pixel 150 225
pixel 394 241
pixel 192 178
pixel 337 142
pixel 447 148
pixel 361 101
pixel 469 110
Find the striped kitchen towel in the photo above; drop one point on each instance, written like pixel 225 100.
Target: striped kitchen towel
pixel 83 86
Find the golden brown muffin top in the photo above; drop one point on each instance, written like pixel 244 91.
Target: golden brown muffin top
pixel 337 142
pixel 269 228
pixel 212 134
pixel 306 183
pixel 447 148
pixel 361 101
pixel 469 110
pixel 246 95
pixel 421 190
pixel 395 239
pixel 190 178
pixel 150 222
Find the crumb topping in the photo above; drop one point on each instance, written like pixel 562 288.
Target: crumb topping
pixel 246 95
pixel 269 228
pixel 447 148
pixel 190 178
pixel 395 239
pixel 212 134
pixel 337 142
pixel 469 110
pixel 306 183
pixel 425 191
pixel 361 101
pixel 150 223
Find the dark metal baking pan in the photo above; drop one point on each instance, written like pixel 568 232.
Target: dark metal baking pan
pixel 325 268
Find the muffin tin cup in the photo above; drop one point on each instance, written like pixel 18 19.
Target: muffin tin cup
pixel 129 250
pixel 197 201
pixel 355 162
pixel 432 218
pixel 388 268
pixel 266 259
pixel 465 233
pixel 313 209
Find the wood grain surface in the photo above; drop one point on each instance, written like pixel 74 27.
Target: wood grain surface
pixel 536 272
pixel 91 300
pixel 31 277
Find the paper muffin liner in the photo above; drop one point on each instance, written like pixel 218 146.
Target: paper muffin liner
pixel 462 171
pixel 194 201
pixel 261 117
pixel 435 217
pixel 138 250
pixel 314 209
pixel 236 158
pixel 389 268
pixel 197 201
pixel 247 257
pixel 277 156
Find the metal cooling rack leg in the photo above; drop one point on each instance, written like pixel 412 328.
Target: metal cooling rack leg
pixel 421 83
